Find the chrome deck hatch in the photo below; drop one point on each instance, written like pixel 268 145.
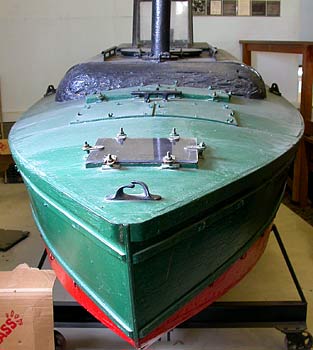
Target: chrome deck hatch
pixel 144 152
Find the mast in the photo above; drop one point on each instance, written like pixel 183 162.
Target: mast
pixel 161 24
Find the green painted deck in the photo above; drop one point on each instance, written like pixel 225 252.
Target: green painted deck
pixel 51 147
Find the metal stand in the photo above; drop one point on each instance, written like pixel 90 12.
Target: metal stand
pixel 289 317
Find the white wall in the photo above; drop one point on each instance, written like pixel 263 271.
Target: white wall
pixel 41 39
pixel 225 32
pixel 306 28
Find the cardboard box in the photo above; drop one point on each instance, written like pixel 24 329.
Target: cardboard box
pixel 26 309
pixel 4 147
pixel 5 155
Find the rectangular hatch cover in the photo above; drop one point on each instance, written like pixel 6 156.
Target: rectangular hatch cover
pixel 144 151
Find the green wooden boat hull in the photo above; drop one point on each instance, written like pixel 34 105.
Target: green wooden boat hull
pixel 140 262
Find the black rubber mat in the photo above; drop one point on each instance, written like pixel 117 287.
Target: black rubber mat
pixel 12 176
pixel 8 238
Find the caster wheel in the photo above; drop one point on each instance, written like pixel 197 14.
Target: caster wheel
pixel 59 341
pixel 299 341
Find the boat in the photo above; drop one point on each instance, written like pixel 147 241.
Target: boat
pixel 155 173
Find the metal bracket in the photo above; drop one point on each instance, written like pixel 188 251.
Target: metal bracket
pixel 274 89
pixel 218 95
pixel 51 90
pixel 169 162
pixel 121 136
pixel 174 136
pixel 201 147
pixel 95 98
pixel 165 94
pixel 87 148
pixel 145 196
pixel 109 52
pixel 110 162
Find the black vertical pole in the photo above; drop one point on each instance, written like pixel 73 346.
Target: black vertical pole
pixel 161 24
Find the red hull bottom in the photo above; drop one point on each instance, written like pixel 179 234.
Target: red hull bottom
pixel 220 286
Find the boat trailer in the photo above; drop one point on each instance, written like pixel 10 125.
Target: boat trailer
pixel 289 317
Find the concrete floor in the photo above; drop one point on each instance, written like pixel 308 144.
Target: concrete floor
pixel 268 281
